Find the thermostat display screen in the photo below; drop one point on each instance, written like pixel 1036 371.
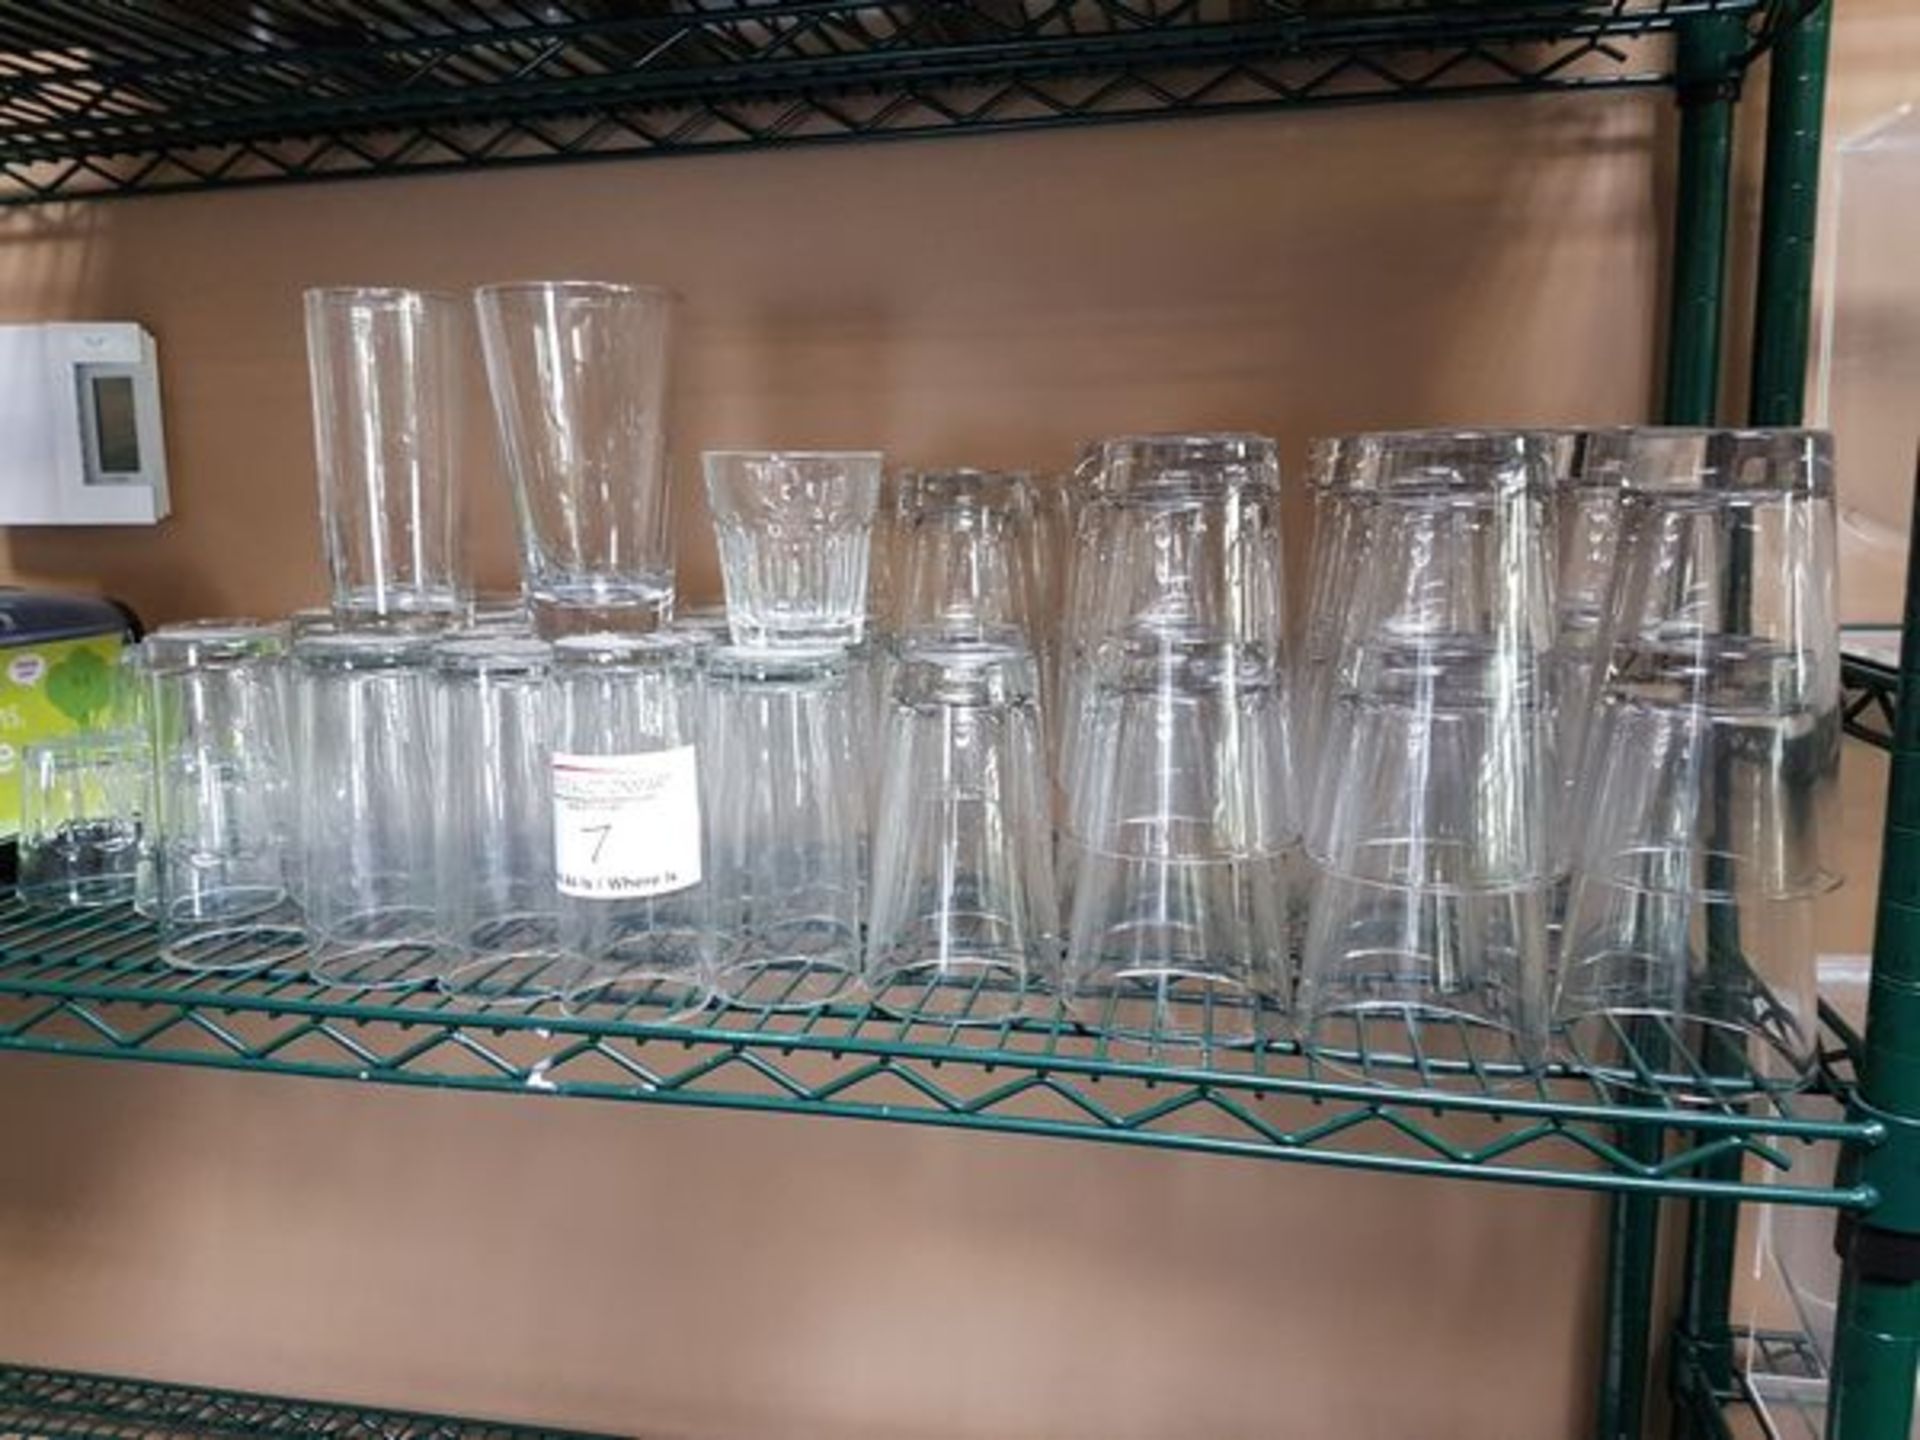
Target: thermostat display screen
pixel 116 436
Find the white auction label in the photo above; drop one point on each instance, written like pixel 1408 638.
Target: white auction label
pixel 626 826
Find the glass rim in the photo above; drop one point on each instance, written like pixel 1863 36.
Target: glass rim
pixel 188 643
pixel 350 648
pixel 376 295
pixel 1328 455
pixel 776 663
pixel 483 653
pixel 1735 463
pixel 935 473
pixel 578 288
pixel 1180 463
pixel 116 741
pixel 1143 438
pixel 764 456
pixel 613 648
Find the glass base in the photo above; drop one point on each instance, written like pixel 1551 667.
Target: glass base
pixel 232 949
pixel 75 892
pixel 620 607
pixel 512 959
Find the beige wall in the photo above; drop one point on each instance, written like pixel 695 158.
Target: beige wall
pixel 697 1274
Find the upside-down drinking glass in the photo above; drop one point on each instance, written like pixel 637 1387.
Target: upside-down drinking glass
pixel 494 849
pixel 385 367
pixel 1176 535
pixel 578 373
pixel 965 557
pixel 963 922
pixel 627 822
pixel 1184 843
pixel 222 795
pixel 782 810
pixel 366 806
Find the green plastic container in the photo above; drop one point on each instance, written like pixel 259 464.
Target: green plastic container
pixel 60 672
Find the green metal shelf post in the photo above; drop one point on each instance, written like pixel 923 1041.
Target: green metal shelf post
pixel 1708 67
pixel 1789 218
pixel 1877 1334
pixel 1711 48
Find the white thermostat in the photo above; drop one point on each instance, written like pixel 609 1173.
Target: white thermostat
pixel 80 436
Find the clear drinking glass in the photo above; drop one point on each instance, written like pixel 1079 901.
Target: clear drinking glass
pixel 222 808
pixel 498 907
pixel 578 373
pixel 966 557
pixel 1185 845
pixel 1436 778
pixel 385 367
pixel 1712 760
pixel 1175 534
pixel 782 809
pixel 81 801
pixel 365 742
pixel 795 532
pixel 963 921
pixel 1180 533
pixel 627 823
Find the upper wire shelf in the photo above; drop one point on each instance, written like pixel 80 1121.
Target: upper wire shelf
pixel 153 95
pixel 38 1404
pixel 1870 685
pixel 87 983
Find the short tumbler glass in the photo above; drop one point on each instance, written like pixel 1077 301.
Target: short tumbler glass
pixel 795 531
pixel 81 800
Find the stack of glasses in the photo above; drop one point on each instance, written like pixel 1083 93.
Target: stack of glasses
pixel 1178 828
pixel 1708 768
pixel 963 923
pixel 1569 706
pixel 1545 775
pixel 1434 766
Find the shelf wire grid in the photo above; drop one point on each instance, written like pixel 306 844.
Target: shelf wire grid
pixel 1869 693
pixel 38 1404
pixel 139 97
pixel 88 983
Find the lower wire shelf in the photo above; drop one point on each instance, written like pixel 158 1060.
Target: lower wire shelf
pixel 88 983
pixel 64 1405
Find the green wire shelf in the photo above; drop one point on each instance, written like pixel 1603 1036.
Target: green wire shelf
pixel 63 1405
pixel 87 983
pixel 152 95
pixel 1869 691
